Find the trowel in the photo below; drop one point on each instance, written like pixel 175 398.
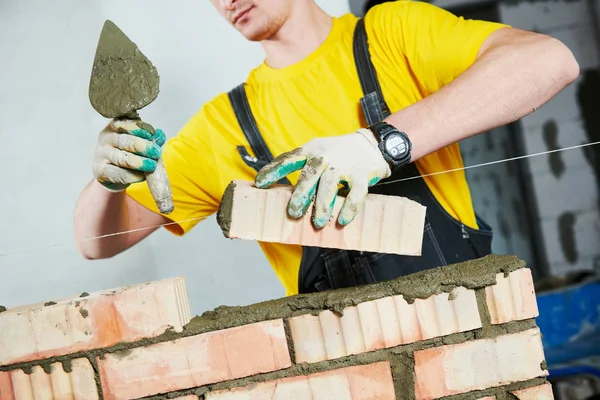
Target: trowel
pixel 124 81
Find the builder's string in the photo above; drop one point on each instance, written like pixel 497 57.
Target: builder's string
pixel 382 183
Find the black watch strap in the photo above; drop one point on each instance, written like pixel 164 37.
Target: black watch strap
pixel 395 146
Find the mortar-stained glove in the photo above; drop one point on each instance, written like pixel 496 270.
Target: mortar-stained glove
pixel 125 151
pixel 353 159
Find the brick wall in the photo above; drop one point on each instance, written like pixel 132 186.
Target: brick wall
pixel 466 331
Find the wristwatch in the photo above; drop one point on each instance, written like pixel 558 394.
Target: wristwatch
pixel 395 146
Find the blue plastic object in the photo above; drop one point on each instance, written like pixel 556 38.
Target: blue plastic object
pixel 569 320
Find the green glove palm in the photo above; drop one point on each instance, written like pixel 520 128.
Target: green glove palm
pixel 353 159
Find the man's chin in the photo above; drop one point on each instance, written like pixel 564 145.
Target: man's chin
pixel 254 35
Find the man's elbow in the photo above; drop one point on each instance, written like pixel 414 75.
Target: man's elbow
pixel 90 250
pixel 567 67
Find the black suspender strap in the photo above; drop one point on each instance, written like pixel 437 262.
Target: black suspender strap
pixel 373 103
pixel 243 113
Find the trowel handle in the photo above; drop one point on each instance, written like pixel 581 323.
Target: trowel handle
pixel 158 180
pixel 160 187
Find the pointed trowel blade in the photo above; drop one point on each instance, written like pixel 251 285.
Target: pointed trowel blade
pixel 123 80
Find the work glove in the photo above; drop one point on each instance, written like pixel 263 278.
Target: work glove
pixel 125 151
pixel 353 159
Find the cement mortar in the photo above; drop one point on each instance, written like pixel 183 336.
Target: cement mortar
pixel 123 80
pixel 501 393
pixel 225 211
pixel 475 274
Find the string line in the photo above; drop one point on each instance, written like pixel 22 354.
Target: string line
pixel 491 163
pixel 382 183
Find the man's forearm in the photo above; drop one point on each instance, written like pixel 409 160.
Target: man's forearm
pixel 99 212
pixel 515 73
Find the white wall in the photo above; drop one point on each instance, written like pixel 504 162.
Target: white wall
pixel 48 130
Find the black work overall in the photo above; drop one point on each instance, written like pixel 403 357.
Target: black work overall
pixel 445 240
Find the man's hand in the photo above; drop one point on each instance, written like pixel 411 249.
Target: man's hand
pixel 353 159
pixel 125 151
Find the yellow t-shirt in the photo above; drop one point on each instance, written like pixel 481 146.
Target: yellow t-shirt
pixel 416 49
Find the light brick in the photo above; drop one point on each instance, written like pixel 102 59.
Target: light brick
pixel 382 323
pixel 541 392
pixel 99 320
pixel 364 382
pixel 195 361
pixel 79 384
pixel 477 365
pixel 512 298
pixel 384 224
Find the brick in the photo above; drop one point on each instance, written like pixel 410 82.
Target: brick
pixel 541 392
pixel 477 365
pixel 79 384
pixel 512 298
pixel 99 320
pixel 195 361
pixel 385 224
pixel 382 323
pixel 488 398
pixel 364 382
pixel 6 389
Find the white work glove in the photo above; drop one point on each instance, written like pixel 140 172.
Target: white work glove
pixel 126 150
pixel 353 159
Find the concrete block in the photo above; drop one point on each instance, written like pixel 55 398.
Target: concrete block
pixel 551 136
pixel 543 16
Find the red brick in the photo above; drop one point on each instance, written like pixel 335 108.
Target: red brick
pixel 99 320
pixel 195 361
pixel 6 389
pixel 385 224
pixel 512 298
pixel 541 392
pixel 79 384
pixel 382 323
pixel 363 382
pixel 477 365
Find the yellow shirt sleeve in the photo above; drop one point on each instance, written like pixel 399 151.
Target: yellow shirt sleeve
pixel 437 45
pixel 190 163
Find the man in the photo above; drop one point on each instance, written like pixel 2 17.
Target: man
pixel 435 79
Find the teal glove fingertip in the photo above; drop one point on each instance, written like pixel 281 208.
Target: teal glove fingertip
pixel 141 133
pixel 160 137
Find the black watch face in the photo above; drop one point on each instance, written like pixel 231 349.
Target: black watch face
pixel 396 146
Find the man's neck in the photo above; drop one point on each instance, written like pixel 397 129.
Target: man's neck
pixel 301 35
